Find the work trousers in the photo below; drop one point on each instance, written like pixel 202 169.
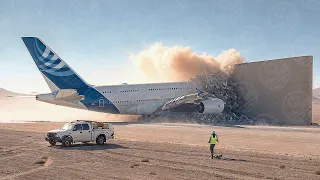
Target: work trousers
pixel 212 148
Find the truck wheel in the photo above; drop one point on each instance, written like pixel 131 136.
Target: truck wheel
pixel 66 142
pixel 53 143
pixel 100 140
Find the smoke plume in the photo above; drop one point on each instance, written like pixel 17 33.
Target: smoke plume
pixel 178 63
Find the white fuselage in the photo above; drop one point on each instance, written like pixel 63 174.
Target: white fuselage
pixel 139 99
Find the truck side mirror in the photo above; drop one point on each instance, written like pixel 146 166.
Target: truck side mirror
pixel 74 128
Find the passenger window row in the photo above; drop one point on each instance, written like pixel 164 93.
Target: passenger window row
pixel 169 88
pixel 143 100
pixel 129 91
pixel 121 102
pixel 156 89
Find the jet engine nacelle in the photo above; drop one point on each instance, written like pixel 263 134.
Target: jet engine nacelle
pixel 211 106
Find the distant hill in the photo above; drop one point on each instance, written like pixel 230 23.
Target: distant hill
pixel 316 92
pixel 315 100
pixel 4 93
pixel 316 96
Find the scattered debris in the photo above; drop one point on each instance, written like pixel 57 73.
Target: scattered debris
pixel 45 161
pixel 282 166
pixel 218 84
pixel 136 164
pixel 218 156
pixel 42 161
pixel 145 160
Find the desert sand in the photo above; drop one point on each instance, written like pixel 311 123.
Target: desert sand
pixel 163 151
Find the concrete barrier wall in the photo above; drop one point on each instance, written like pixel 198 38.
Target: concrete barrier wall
pixel 278 91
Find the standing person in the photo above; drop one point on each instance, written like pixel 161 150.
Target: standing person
pixel 213 140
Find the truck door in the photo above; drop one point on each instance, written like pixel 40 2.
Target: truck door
pixel 76 133
pixel 86 133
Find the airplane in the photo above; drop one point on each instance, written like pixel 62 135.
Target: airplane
pixel 70 90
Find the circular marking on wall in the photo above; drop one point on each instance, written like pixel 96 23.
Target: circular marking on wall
pixel 296 106
pixel 274 76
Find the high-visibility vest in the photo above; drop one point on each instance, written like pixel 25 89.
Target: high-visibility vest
pixel 213 140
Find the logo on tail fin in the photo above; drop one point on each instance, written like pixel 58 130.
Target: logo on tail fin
pixel 48 61
pixel 56 72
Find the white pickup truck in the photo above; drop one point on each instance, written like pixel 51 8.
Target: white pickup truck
pixel 80 131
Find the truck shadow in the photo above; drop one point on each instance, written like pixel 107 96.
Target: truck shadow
pixel 90 147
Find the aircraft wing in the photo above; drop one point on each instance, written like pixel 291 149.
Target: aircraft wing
pixel 190 98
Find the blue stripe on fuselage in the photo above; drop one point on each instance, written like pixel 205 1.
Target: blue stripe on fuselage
pixel 91 101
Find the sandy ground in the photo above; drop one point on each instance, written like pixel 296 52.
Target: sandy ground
pixel 173 151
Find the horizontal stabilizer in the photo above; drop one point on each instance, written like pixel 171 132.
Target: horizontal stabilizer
pixel 68 95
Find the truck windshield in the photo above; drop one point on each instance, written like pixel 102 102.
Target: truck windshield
pixel 67 126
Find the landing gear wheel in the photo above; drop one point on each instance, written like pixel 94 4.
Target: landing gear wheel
pixel 53 143
pixel 100 140
pixel 66 142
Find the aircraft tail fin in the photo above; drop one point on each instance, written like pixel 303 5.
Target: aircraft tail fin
pixel 57 73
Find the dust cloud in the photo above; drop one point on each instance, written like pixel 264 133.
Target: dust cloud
pixel 207 72
pixel 179 63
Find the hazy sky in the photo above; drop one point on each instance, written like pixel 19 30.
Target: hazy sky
pixel 96 37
